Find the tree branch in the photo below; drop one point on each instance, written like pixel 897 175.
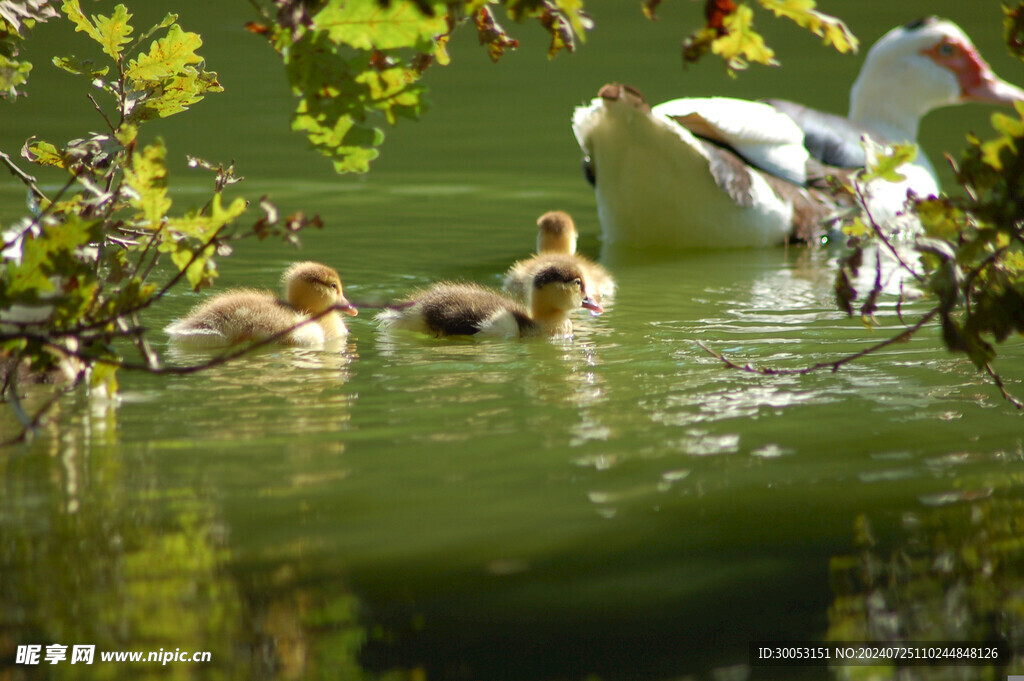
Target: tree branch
pixel 834 365
pixel 96 104
pixel 29 181
pixel 161 370
pixel 876 228
pixel 31 424
pixel 1002 389
pixel 151 367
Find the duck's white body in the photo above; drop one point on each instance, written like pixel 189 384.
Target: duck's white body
pixel 651 171
pixel 724 173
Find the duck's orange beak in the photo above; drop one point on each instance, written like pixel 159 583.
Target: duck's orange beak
pixel 594 308
pixel 346 307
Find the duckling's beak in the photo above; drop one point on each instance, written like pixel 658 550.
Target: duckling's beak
pixel 346 307
pixel 594 308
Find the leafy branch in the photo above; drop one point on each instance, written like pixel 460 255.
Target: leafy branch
pixel 31 423
pixel 970 252
pixel 729 31
pixel 17 17
pixel 355 65
pixel 77 272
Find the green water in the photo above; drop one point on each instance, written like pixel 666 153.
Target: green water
pixel 619 505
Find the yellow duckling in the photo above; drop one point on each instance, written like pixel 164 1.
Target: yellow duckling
pixel 556 235
pixel 242 315
pixel 453 309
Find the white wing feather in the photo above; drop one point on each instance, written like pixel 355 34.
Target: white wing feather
pixel 767 138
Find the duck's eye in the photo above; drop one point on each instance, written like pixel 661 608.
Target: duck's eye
pixel 334 285
pixel 577 283
pixel 946 50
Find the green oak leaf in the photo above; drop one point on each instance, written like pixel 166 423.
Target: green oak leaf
pixel 147 177
pixel 13 73
pixel 176 94
pixel 834 31
pixel 167 57
pixel 86 67
pixel 1011 129
pixel 369 26
pixel 43 153
pixel 741 42
pixel 883 162
pixel 114 31
pixel 349 145
pixel 82 24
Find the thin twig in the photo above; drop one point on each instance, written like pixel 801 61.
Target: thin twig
pixel 38 219
pixel 899 305
pixel 29 181
pixel 140 341
pixel 881 235
pixel 145 251
pixel 215 361
pixel 834 365
pixel 123 243
pixel 1002 389
pixel 102 113
pixel 122 96
pixel 33 423
pixel 974 273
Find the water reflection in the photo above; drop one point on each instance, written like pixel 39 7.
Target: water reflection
pixel 281 391
pixel 88 560
pixel 91 558
pixel 946 574
pixel 405 502
pixel 562 373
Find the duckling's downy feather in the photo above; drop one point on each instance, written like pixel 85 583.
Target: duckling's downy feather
pixel 241 315
pixel 461 309
pixel 556 242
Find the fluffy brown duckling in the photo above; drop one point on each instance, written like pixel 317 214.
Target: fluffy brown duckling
pixel 240 315
pixel 556 235
pixel 456 309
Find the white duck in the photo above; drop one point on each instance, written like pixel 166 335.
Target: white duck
pixel 726 173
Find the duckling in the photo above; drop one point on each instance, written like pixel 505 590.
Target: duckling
pixel 248 315
pixel 557 234
pixel 458 309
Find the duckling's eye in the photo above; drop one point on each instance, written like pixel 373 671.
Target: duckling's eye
pixel 334 285
pixel 946 50
pixel 577 283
